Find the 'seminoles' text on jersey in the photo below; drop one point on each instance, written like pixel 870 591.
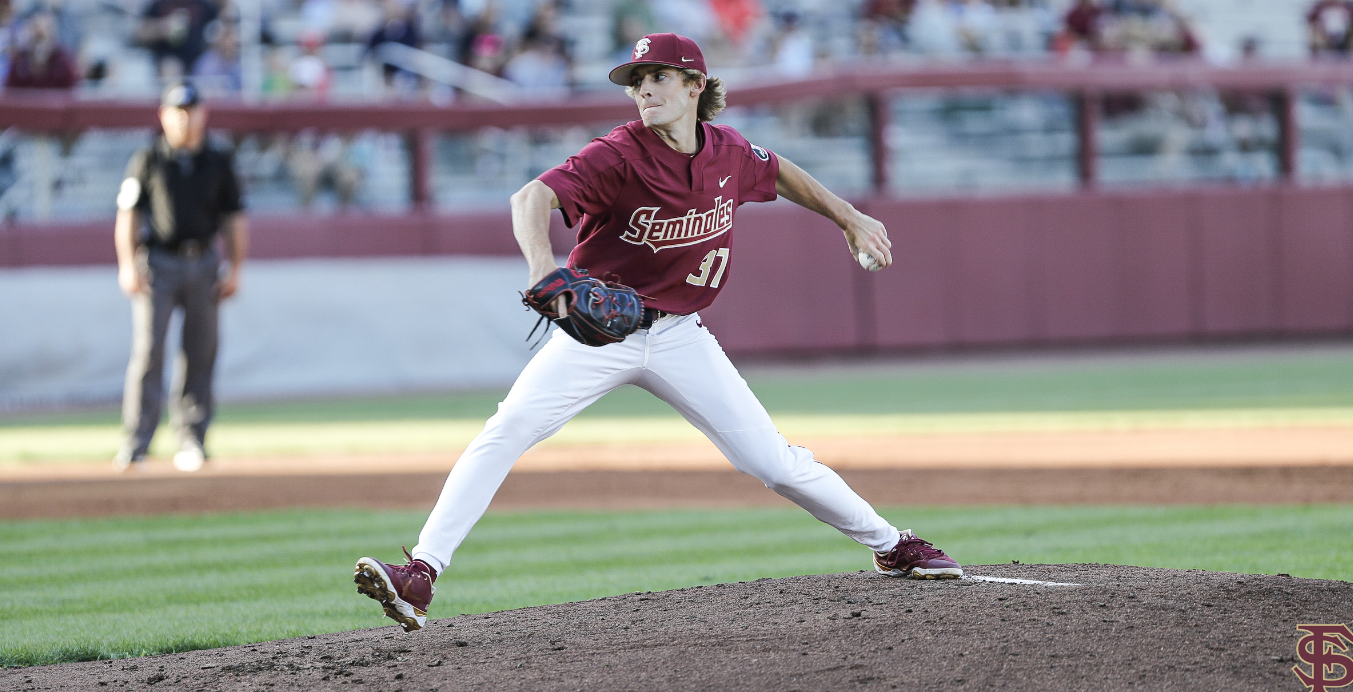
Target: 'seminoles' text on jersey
pixel 660 234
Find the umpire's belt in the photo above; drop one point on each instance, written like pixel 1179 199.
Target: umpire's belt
pixel 651 314
pixel 192 249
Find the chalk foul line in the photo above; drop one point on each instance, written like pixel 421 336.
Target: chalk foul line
pixel 1009 580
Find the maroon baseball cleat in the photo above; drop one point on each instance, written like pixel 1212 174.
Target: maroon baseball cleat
pixel 918 559
pixel 403 590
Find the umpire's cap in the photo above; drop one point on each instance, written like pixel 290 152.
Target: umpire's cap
pixel 180 95
pixel 661 49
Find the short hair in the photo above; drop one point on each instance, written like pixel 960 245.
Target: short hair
pixel 712 99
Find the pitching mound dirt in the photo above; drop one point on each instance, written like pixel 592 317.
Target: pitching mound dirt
pixel 1101 627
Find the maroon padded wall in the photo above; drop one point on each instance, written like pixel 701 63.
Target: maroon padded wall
pixel 1093 266
pixel 789 284
pixel 1315 260
pixel 1099 267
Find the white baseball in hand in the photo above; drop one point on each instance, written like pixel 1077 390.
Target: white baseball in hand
pixel 868 262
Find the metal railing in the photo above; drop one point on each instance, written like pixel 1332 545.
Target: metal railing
pixel 1088 85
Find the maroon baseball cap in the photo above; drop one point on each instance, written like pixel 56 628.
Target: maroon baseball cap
pixel 661 49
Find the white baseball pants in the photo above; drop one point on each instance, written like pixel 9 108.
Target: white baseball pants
pixel 680 362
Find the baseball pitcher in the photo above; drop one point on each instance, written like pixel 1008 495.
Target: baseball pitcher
pixel 654 203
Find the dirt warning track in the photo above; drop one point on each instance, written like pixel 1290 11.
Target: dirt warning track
pixel 1170 466
pixel 155 493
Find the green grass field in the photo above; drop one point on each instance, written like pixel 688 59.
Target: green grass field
pixel 86 589
pixel 1240 388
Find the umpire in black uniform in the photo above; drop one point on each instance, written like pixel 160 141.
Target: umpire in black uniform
pixel 178 196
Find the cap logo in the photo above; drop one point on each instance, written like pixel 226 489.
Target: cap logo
pixel 640 48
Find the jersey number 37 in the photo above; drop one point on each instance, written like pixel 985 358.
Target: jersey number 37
pixel 701 276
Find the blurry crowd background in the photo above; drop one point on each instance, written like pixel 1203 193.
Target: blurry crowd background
pixel 452 51
pixel 354 49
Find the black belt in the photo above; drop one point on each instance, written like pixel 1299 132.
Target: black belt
pixel 191 249
pixel 651 314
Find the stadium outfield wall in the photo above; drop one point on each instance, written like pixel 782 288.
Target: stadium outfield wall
pixel 383 304
pixel 1093 266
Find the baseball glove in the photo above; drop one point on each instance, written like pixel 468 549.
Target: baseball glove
pixel 599 313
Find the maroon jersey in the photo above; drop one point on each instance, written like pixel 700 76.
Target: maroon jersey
pixel 659 220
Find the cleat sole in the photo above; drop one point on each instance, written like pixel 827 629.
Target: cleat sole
pixel 371 583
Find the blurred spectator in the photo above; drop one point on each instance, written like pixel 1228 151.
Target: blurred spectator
pixel 1171 31
pixel 217 72
pixel 41 62
pixel 793 47
pixel 398 26
pixel 883 26
pixel 175 33
pixel 1137 29
pixel 309 74
pixel 443 22
pixel 631 20
pixel 276 77
pixel 1330 25
pixel 544 25
pixel 488 53
pixel 1024 27
pixel 975 24
pixel 949 27
pixel 319 162
pixel 736 17
pixel 1082 27
pixel 540 67
pixel 69 31
pixel 484 47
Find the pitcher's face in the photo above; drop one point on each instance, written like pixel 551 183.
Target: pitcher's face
pixel 663 95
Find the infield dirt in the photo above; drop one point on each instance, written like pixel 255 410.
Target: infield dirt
pixel 1106 628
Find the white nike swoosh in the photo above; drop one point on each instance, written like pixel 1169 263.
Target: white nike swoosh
pixel 687 60
pixel 724 181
